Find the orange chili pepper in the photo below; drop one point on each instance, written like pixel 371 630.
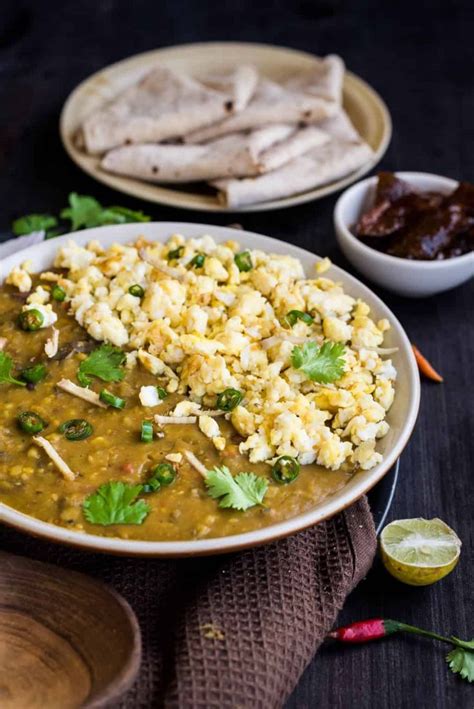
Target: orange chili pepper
pixel 425 367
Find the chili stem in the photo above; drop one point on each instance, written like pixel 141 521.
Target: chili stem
pixel 397 625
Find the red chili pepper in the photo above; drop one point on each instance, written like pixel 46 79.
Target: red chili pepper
pixel 425 367
pixel 365 630
pixel 459 659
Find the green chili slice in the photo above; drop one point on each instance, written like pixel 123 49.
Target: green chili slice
pixel 162 393
pixel 146 434
pixel 35 373
pixel 162 474
pixel 151 485
pixel 58 293
pixel 198 261
pixel 243 261
pixel 30 422
pixel 293 315
pixel 285 470
pixel 31 319
pixel 136 290
pixel 76 429
pixel 228 399
pixel 111 400
pixel 175 253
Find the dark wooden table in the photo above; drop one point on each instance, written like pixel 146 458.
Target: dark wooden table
pixel 422 63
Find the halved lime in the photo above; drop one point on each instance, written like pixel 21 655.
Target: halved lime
pixel 419 551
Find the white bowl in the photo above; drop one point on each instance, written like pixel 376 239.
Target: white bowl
pixel 401 417
pixel 414 279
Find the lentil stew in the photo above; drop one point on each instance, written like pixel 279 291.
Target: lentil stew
pixel 149 394
pixel 30 482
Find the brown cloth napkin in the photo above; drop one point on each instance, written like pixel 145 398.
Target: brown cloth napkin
pixel 232 631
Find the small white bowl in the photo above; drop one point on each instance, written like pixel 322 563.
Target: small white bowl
pixel 414 279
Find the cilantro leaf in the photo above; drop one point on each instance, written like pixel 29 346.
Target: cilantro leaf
pixel 6 364
pixel 244 491
pixel 116 502
pixel 33 222
pixel 83 211
pixel 128 215
pixel 52 233
pixel 105 363
pixel 320 364
pixel 461 660
pixel 87 212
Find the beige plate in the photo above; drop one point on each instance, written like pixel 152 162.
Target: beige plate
pixel 365 107
pixel 401 417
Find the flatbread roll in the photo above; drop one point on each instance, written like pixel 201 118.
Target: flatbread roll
pixel 324 80
pixel 340 126
pixel 298 142
pixel 333 160
pixel 235 155
pixel 310 97
pixel 164 105
pixel 241 84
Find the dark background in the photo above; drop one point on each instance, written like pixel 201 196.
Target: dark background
pixel 420 57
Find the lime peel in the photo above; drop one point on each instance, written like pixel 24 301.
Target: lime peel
pixel 418 551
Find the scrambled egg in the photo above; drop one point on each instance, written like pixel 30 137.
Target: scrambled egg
pixel 20 277
pixel 206 327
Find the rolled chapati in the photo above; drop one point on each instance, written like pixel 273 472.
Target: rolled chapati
pixel 298 142
pixel 240 83
pixel 164 105
pixel 310 97
pixel 331 161
pixel 340 126
pixel 235 155
pixel 325 79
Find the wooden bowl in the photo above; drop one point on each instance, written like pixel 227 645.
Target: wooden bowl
pixel 66 640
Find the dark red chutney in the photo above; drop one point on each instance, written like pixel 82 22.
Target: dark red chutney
pixel 418 225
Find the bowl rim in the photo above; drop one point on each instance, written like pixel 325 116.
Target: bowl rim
pixel 409 264
pixel 361 483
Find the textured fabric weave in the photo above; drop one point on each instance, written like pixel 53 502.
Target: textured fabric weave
pixel 236 630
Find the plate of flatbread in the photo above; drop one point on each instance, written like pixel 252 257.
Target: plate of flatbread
pixel 226 126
